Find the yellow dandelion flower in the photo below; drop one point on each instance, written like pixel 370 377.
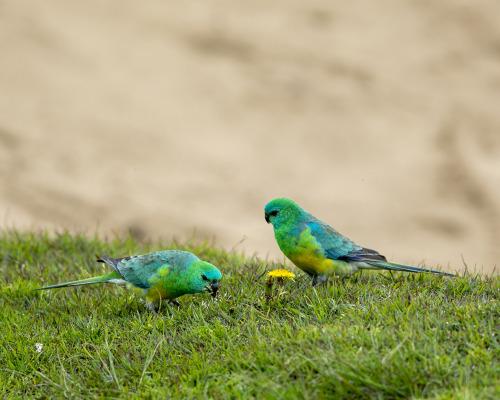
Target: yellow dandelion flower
pixel 281 273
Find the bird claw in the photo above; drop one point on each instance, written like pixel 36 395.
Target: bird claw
pixel 151 307
pixel 175 303
pixel 318 280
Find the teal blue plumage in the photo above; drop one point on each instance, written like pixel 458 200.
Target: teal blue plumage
pixel 320 250
pixel 157 276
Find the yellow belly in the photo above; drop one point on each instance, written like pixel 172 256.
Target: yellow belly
pixel 153 294
pixel 308 256
pixel 311 262
pixel 156 294
pixel 315 265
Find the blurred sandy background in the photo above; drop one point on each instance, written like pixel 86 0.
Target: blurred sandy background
pixel 380 118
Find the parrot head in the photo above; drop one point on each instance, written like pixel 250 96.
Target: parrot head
pixel 280 211
pixel 205 278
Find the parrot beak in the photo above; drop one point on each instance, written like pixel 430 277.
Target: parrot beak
pixel 267 217
pixel 215 286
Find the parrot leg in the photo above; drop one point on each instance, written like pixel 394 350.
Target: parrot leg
pixel 318 280
pixel 175 302
pixel 151 307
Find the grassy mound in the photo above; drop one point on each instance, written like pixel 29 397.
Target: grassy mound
pixel 373 335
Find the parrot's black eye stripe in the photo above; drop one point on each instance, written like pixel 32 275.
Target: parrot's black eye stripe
pixel 273 213
pixel 204 278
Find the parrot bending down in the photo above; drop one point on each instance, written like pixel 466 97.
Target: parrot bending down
pixel 158 275
pixel 318 249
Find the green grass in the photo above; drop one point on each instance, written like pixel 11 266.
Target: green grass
pixel 373 335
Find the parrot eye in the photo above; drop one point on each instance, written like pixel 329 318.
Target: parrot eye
pixel 273 213
pixel 204 278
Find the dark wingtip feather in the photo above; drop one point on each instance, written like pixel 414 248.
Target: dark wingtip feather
pixel 112 262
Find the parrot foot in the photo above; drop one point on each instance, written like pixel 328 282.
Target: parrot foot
pixel 318 280
pixel 175 303
pixel 151 307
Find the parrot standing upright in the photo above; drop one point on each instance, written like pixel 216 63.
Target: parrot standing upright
pixel 157 276
pixel 318 249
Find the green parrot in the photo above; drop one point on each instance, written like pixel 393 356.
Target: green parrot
pixel 157 276
pixel 318 249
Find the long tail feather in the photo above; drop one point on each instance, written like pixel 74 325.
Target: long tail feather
pixel 402 267
pixel 88 281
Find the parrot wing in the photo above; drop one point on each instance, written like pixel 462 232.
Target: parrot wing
pixel 126 267
pixel 337 247
pixel 138 270
pixel 333 244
